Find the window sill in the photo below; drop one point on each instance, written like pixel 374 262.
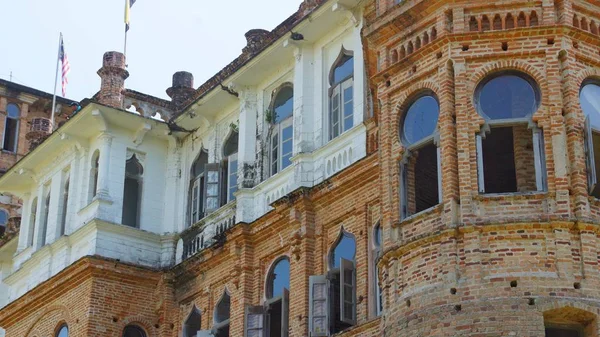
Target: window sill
pixel 437 209
pixel 97 200
pixel 513 196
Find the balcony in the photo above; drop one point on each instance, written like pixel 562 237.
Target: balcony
pixel 39 130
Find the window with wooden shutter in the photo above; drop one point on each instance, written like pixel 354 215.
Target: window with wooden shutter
pixel 204 333
pixel 318 311
pixel 255 321
pixel 212 188
pixel 347 292
pixel 285 313
pixel 539 159
pixel 480 177
pixel 403 190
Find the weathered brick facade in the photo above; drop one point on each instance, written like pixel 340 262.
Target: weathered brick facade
pixel 476 264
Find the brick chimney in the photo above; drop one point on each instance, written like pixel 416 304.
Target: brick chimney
pixel 182 89
pixel 112 74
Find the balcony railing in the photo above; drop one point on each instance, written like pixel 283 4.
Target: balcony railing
pixel 39 125
pixel 209 231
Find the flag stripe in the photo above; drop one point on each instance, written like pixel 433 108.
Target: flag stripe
pixel 66 67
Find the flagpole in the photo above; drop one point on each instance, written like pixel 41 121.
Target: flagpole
pixel 125 47
pixel 55 81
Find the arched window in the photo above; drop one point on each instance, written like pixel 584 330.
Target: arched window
pixel 341 94
pixel 197 185
pixel 132 192
pixel 282 138
pixel 332 298
pixel 44 222
pixel 375 255
pixel 32 221
pixel 11 128
pixel 192 324
pixel 63 331
pixel 420 172
pixel 133 331
pixel 273 316
pixel 65 203
pixel 94 166
pixel 589 99
pixel 510 147
pixel 221 317
pixel 3 221
pixel 230 153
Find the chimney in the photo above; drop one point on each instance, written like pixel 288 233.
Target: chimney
pixel 112 75
pixel 182 89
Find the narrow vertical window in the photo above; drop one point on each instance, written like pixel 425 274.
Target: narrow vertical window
pixel 3 221
pixel 375 255
pixel 230 151
pixel 192 324
pixel 32 222
pixel 132 194
pixel 589 99
pixel 11 128
pixel 44 222
pixel 222 311
pixel 94 166
pixel 282 134
pixel 133 331
pixel 420 183
pixel 197 183
pixel 65 203
pixel 510 150
pixel 278 287
pixel 341 94
pixel 63 331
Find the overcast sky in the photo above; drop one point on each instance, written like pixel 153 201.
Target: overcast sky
pixel 199 36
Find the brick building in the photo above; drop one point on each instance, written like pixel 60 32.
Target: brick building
pixel 367 168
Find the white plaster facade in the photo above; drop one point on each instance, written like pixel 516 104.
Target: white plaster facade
pixel 93 224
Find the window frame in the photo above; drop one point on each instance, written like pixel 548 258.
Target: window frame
pixel 94 171
pixel 376 252
pixel 139 178
pixel 4 226
pixel 184 328
pixel 217 325
pixel 60 329
pixel 33 215
pixel 335 130
pixel 276 160
pixel 490 123
pixel 17 120
pixel 137 327
pixel 65 204
pixel 434 138
pixel 45 216
pixel 197 184
pixel 588 133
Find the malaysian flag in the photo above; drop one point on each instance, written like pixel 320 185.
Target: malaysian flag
pixel 66 67
pixel 128 4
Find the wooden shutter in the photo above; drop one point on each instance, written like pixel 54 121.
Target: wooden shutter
pixel 255 321
pixel 347 292
pixel 439 173
pixel 480 177
pixel 318 310
pixel 285 313
pixel 212 188
pixel 404 189
pixel 589 152
pixel 540 159
pixel 204 333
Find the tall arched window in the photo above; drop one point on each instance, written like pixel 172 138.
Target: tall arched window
pixel 510 147
pixel 65 203
pixel 341 95
pixel 133 331
pixel 32 221
pixel 589 99
pixel 221 317
pixel 44 220
pixel 95 165
pixel 11 128
pixel 375 255
pixel 63 331
pixel 192 324
pixel 3 221
pixel 420 184
pixel 332 297
pixel 132 193
pixel 230 153
pixel 197 185
pixel 272 318
pixel 282 138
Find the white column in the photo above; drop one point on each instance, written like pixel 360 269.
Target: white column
pixel 25 229
pixel 247 152
pixel 304 85
pixel 104 164
pixel 359 77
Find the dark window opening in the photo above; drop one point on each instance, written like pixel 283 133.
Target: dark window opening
pixel 562 332
pixel 426 178
pixel 596 140
pixel 192 324
pixel 132 192
pixel 10 135
pixel 275 318
pixel 133 331
pixel 338 325
pixel 222 312
pixel 509 160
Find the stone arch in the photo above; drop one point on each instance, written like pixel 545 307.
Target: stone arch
pixel 433 33
pixel 584 24
pixel 485 23
pixel 566 313
pixel 402 53
pixel 405 100
pixel 521 20
pixel 533 19
pixel 64 316
pixel 394 56
pixel 332 245
pixel 575 21
pixel 271 269
pixel 473 24
pixel 410 48
pixel 593 27
pixel 509 21
pixel 497 24
pixel 580 78
pixel 417 43
pixel 425 38
pixel 142 321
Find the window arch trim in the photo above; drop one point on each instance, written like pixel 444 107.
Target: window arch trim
pixel 410 101
pixel 343 233
pixel 271 271
pixel 338 61
pixel 59 329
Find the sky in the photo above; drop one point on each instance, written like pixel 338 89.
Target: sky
pixel 166 36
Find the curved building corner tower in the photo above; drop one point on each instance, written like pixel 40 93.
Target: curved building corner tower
pixel 489 132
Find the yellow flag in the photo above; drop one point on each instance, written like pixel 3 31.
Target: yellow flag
pixel 128 4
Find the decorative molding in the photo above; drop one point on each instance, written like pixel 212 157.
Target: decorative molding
pixel 138 136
